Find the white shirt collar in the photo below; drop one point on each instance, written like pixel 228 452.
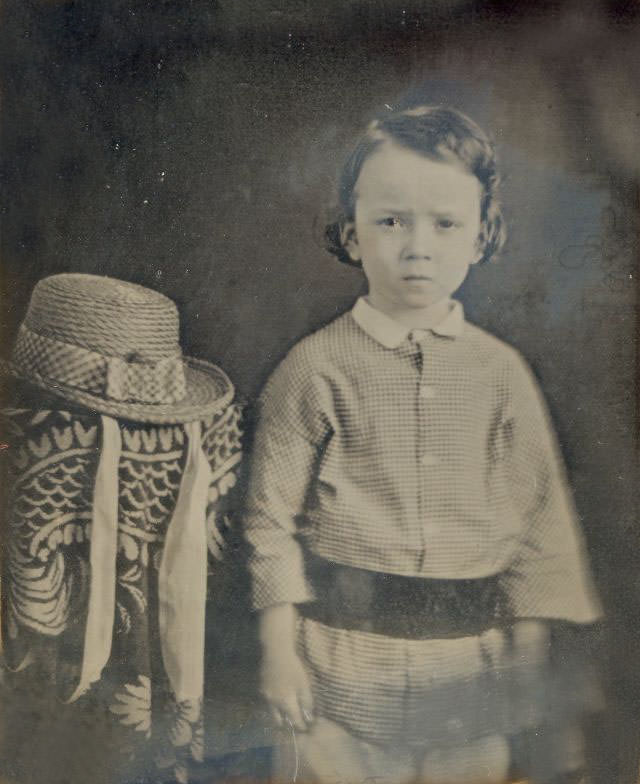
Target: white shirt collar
pixel 390 334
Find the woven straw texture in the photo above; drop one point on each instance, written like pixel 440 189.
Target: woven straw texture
pixel 114 347
pixel 160 382
pixel 105 315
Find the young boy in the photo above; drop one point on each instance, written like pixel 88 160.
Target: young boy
pixel 411 532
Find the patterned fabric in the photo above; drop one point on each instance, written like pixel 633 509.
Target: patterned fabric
pixel 327 754
pixel 51 464
pixel 431 458
pixel 422 693
pixel 147 382
pixel 137 380
pixel 424 454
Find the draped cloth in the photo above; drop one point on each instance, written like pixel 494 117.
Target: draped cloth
pixel 107 529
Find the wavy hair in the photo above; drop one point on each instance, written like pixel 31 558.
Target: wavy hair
pixel 437 133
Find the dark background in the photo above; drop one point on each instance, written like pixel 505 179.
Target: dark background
pixel 193 147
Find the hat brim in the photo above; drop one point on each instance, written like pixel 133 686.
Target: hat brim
pixel 209 390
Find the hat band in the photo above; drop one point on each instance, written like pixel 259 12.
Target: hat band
pixel 55 362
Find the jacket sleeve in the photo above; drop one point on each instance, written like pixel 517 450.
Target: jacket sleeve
pixel 292 427
pixel 549 576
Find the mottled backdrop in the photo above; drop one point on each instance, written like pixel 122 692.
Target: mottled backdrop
pixel 193 146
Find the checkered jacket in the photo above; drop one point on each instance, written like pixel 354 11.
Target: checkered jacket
pixel 426 453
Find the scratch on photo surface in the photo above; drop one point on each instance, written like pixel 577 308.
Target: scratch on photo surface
pixel 295 750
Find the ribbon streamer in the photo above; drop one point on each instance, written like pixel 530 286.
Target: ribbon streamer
pixel 182 580
pixel 102 560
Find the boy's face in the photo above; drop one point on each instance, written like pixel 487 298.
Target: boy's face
pixel 416 228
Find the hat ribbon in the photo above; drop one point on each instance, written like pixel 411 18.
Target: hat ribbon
pixel 182 576
pixel 102 559
pixel 127 380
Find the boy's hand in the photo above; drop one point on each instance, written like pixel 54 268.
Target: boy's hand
pixel 284 683
pixel 285 686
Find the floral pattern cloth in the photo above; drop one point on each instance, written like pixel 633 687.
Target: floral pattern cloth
pixel 49 466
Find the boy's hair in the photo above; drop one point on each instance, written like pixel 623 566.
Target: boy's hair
pixel 437 133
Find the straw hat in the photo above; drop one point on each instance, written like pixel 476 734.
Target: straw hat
pixel 113 347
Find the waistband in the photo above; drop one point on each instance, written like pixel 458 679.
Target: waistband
pixel 394 605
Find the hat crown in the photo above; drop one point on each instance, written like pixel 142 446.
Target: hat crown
pixel 113 346
pixel 108 316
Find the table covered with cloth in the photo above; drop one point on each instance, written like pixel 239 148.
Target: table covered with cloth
pixel 103 647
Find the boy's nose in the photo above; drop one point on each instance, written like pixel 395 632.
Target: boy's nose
pixel 420 242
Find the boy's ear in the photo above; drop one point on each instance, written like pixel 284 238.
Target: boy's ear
pixel 349 240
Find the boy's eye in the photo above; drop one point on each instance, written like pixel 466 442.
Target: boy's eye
pixel 446 223
pixel 391 222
